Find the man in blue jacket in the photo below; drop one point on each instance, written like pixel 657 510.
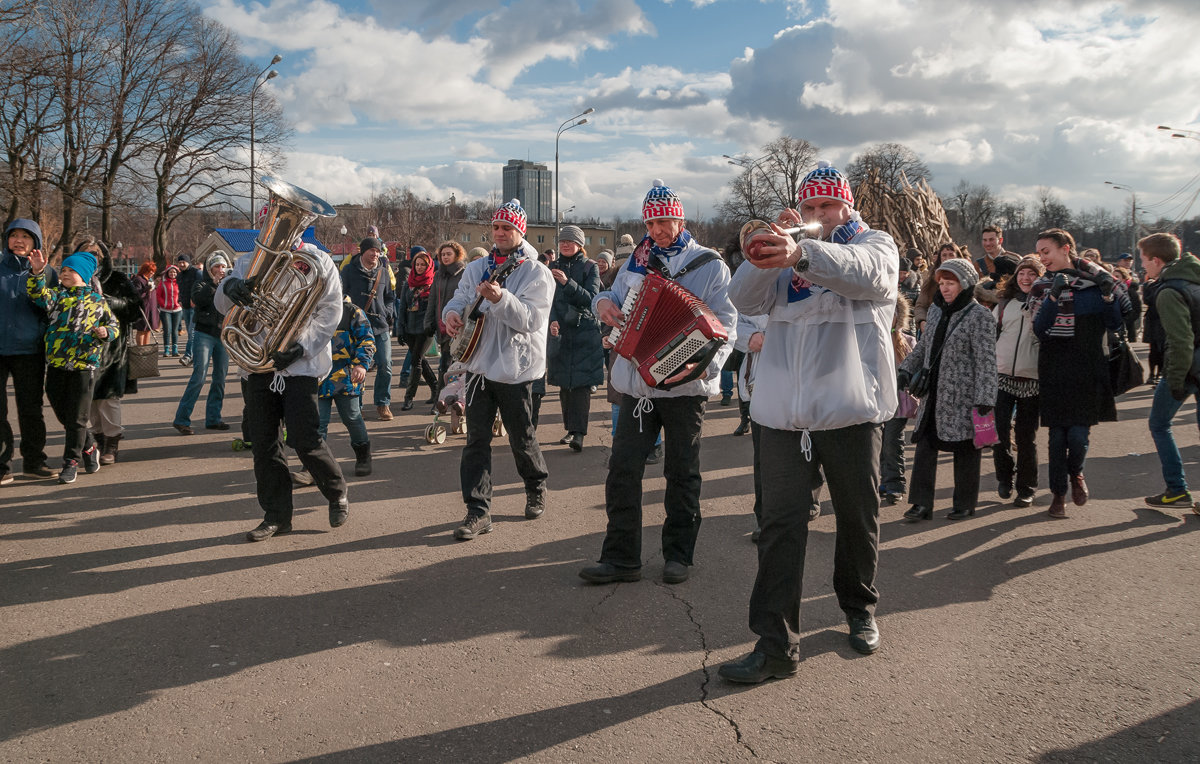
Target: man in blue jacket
pixel 367 282
pixel 22 352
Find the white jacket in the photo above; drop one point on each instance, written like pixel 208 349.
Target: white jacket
pixel 512 348
pixel 1017 346
pixel 317 360
pixel 709 282
pixel 746 328
pixel 827 360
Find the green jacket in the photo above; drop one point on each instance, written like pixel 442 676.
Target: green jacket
pixel 1176 318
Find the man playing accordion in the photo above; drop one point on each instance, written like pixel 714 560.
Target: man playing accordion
pixel 679 411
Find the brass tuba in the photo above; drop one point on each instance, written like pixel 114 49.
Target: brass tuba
pixel 288 284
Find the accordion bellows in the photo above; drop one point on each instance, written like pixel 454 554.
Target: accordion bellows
pixel 666 328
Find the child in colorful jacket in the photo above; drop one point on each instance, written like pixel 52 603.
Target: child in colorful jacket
pixel 80 321
pixel 353 347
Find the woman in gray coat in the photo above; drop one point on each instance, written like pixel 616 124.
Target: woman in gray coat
pixel 958 350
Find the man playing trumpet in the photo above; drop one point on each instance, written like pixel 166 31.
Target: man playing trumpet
pixel 825 384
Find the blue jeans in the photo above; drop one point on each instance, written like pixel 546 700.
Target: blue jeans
pixel 189 324
pixel 206 348
pixel 727 378
pixel 1162 411
pixel 350 410
pixel 170 328
pixel 383 366
pixel 1068 447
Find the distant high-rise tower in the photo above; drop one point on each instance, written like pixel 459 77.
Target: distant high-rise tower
pixel 531 183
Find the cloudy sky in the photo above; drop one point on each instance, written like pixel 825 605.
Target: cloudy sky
pixel 437 95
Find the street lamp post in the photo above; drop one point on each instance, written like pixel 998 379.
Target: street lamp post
pixel 259 79
pixel 565 126
pixel 1177 132
pixel 1132 212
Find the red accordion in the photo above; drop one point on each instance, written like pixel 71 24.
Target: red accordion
pixel 666 328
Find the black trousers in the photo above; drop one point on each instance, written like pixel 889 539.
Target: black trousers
pixel 267 412
pixel 70 394
pixel 28 374
pixel 756 439
pixel 1025 425
pixel 681 420
pixel 924 476
pixel 849 457
pixel 444 364
pixel 417 345
pixel 576 403
pixel 515 404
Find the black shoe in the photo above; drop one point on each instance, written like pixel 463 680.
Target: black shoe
pixel 182 429
pixel 607 573
pixel 1023 500
pixel 756 534
pixel 674 572
pixel 564 440
pixel 742 428
pixel 68 472
pixel 38 470
pixel 655 456
pixel 339 511
pixel 757 667
pixel 864 633
pixel 266 530
pixel 535 503
pixel 1004 489
pixel 217 426
pixel 407 405
pixel 961 514
pixel 576 443
pixel 472 526
pixel 91 460
pixel 726 399
pixel 918 512
pixel 890 498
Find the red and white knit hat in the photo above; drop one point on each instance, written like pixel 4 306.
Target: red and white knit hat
pixel 825 182
pixel 661 202
pixel 512 213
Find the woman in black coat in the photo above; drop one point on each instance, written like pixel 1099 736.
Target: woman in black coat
pixel 578 363
pixel 412 307
pixel 112 381
pixel 452 259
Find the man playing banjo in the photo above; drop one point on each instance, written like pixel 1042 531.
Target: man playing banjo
pixel 509 353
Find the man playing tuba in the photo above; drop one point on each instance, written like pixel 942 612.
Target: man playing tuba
pixel 287 395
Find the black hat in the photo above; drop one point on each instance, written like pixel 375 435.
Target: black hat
pixel 905 264
pixel 370 243
pixel 1005 265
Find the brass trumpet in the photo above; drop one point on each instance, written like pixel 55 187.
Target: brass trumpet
pixel 287 284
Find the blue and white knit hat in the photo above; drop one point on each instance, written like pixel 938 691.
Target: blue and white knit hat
pixel 661 203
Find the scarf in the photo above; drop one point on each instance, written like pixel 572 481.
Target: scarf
pixel 1084 275
pixel 419 283
pixel 639 262
pixel 965 298
pixel 496 258
pixel 800 288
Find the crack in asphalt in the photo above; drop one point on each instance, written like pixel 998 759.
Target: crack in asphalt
pixel 704 667
pixel 607 596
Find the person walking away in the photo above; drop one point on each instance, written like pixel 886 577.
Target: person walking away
pixel 79 323
pixel 1178 305
pixel 958 351
pixel 22 351
pixel 353 348
pixel 1073 308
pixel 207 348
pixel 1017 400
pixel 578 365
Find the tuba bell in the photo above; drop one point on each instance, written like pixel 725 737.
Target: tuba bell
pixel 287 284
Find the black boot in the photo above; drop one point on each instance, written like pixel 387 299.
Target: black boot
pixel 362 458
pixel 744 427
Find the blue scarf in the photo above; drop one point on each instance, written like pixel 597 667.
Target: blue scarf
pixel 495 260
pixel 800 288
pixel 640 261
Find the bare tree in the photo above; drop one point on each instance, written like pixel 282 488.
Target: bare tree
pixel 750 197
pixel 971 206
pixel 25 104
pixel 1051 212
pixel 895 163
pixel 770 183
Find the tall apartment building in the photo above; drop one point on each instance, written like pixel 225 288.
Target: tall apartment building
pixel 531 183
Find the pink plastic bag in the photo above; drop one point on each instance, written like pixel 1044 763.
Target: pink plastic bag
pixel 985 428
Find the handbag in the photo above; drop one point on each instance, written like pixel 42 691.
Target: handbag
pixel 985 428
pixel 143 361
pixel 1125 370
pixel 908 406
pixel 918 386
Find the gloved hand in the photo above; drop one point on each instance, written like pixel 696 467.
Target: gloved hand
pixel 983 410
pixel 1058 285
pixel 241 291
pixel 902 379
pixel 1180 395
pixel 286 357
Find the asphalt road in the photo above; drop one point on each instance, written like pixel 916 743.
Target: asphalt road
pixel 138 625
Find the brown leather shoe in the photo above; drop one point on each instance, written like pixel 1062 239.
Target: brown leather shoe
pixel 1058 508
pixel 385 413
pixel 1079 491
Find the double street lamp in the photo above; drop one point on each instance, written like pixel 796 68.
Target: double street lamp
pixel 1181 133
pixel 259 80
pixel 564 127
